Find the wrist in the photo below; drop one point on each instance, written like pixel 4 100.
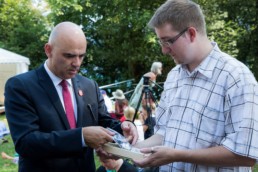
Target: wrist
pixel 178 155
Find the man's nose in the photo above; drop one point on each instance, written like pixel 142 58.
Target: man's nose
pixel 165 50
pixel 77 61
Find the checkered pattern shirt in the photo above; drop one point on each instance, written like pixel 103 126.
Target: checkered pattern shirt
pixel 216 104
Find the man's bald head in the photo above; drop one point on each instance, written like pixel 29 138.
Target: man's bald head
pixel 66 50
pixel 65 30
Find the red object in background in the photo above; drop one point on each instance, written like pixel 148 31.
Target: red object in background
pixel 119 117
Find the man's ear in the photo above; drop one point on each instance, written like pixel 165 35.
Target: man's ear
pixel 48 49
pixel 192 32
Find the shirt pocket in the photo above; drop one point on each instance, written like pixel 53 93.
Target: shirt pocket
pixel 208 125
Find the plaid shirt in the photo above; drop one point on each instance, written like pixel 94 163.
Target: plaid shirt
pixel 216 104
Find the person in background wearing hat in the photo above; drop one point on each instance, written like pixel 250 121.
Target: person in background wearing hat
pixel 108 101
pixel 120 104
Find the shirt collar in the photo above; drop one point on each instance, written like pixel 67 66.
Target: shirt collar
pixel 207 66
pixel 55 79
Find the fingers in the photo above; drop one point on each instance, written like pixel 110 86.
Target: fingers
pixel 125 126
pixel 102 154
pixel 150 160
pixel 130 132
pixel 146 162
pixel 150 150
pixel 129 138
pixel 95 137
pixel 109 135
pixel 135 138
pixel 109 132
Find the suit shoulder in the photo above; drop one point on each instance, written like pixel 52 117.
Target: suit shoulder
pixel 25 76
pixel 86 81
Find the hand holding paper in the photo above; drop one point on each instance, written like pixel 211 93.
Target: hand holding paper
pixel 122 147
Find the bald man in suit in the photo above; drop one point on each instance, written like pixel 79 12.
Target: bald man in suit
pixel 44 137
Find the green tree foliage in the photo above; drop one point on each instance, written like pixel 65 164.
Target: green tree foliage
pixel 234 25
pixel 120 46
pixel 23 29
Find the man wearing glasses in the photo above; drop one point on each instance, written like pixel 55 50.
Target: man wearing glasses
pixel 207 116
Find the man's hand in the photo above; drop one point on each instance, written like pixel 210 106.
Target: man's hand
pixel 213 156
pixel 130 132
pixel 95 136
pixel 158 155
pixel 103 155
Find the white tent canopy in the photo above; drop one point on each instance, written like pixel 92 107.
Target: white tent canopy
pixel 10 57
pixel 10 64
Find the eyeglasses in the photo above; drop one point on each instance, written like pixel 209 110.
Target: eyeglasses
pixel 171 41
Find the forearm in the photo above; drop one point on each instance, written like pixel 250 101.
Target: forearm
pixel 215 156
pixel 39 145
pixel 155 140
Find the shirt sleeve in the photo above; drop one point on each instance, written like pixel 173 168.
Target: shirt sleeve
pixel 241 120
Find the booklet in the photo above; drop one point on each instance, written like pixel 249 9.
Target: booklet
pixel 133 153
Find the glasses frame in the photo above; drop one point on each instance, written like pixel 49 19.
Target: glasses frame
pixel 171 41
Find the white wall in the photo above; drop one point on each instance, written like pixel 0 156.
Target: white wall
pixel 8 70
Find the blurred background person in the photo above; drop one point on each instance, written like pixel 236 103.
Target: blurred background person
pixel 129 114
pixel 112 165
pixel 108 101
pixel 3 132
pixel 156 69
pixel 147 117
pixel 14 159
pixel 120 104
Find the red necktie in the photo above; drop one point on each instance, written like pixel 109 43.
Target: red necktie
pixel 68 104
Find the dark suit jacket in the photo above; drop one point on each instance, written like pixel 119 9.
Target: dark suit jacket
pixel 39 126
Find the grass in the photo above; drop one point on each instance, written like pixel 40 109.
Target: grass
pixel 8 166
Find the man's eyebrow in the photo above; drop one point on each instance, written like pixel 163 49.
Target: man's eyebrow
pixel 71 54
pixel 83 54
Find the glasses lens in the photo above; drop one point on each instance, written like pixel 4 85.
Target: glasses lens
pixel 171 41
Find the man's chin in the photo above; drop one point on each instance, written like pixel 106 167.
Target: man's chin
pixel 69 76
pixel 176 61
pixel 72 73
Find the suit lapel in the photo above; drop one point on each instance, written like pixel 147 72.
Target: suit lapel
pixel 79 99
pixel 50 90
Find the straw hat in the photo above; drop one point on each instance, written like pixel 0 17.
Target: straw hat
pixel 118 94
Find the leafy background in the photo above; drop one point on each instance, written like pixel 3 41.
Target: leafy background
pixel 120 46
